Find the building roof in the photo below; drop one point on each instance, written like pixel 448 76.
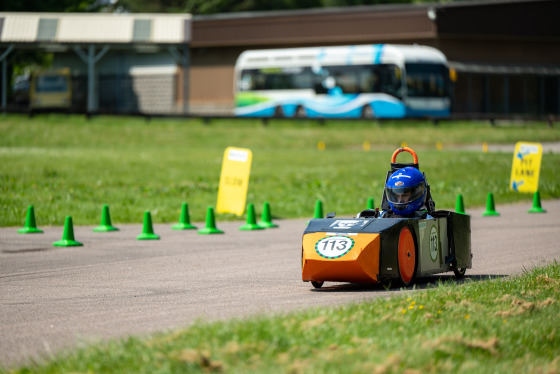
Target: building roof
pixel 105 28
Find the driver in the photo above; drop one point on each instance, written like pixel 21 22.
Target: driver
pixel 406 194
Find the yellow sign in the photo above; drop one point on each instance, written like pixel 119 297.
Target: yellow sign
pixel 234 180
pixel 526 167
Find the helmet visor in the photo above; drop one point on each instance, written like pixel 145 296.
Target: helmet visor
pixel 405 195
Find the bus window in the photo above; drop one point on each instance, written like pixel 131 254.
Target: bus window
pixel 345 78
pixel 427 80
pixel 355 79
pixel 246 82
pixel 390 80
pixel 369 80
pixel 290 78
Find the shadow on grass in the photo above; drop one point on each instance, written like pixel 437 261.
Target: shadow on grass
pixel 420 284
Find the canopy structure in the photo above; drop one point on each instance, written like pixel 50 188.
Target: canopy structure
pixel 91 36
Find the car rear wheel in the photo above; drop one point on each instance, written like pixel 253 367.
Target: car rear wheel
pixel 406 256
pixel 459 272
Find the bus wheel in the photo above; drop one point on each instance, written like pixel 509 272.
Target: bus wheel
pixel 279 112
pixel 367 112
pixel 300 112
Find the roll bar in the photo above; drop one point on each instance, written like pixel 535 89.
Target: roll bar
pixel 404 149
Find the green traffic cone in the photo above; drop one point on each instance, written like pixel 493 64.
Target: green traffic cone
pixel 537 208
pixel 251 220
pixel 460 206
pixel 318 209
pixel 210 227
pixel 266 217
pixel 67 235
pixel 105 221
pixel 370 203
pixel 30 225
pixel 184 219
pixel 148 229
pixel 490 209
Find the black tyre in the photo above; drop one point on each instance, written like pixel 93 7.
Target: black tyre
pixel 367 112
pixel 279 112
pixel 300 112
pixel 459 272
pixel 317 284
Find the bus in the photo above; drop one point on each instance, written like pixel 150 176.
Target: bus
pixel 361 81
pixel 51 89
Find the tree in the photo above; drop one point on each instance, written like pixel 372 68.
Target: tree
pixel 180 6
pixel 47 5
pixel 230 6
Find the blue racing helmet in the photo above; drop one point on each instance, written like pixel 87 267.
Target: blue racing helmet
pixel 406 191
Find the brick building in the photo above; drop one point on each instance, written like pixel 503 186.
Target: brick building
pixel 506 52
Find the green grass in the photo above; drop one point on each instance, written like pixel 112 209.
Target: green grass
pixel 495 326
pixel 68 165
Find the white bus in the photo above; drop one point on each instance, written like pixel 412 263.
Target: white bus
pixel 362 81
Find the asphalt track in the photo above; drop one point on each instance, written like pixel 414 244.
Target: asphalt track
pixel 54 298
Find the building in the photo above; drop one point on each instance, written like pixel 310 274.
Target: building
pixel 506 52
pixel 123 63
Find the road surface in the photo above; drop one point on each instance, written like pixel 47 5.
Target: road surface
pixel 55 297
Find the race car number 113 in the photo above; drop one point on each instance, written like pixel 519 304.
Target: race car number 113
pixel 334 246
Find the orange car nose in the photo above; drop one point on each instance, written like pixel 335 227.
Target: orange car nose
pixel 328 257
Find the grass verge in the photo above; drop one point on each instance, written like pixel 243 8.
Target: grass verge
pixel 494 326
pixel 68 165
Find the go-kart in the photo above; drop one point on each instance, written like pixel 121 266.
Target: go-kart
pixel 371 249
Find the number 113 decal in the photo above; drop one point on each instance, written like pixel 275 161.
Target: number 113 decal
pixel 334 246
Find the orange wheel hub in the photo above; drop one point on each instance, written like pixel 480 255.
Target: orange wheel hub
pixel 407 255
